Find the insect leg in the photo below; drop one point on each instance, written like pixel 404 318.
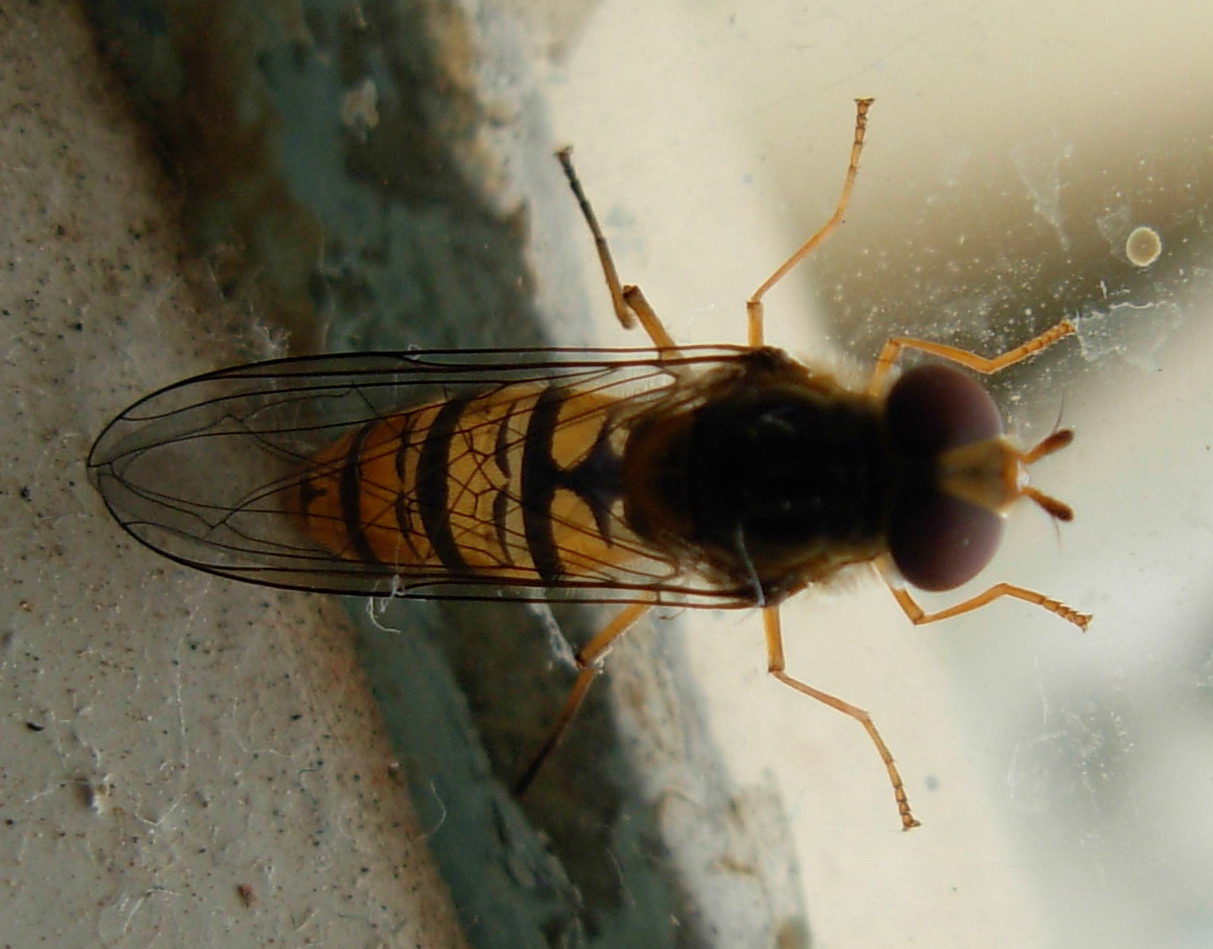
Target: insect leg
pixel 920 617
pixel 629 303
pixel 753 306
pixel 776 666
pixel 589 664
pixel 894 346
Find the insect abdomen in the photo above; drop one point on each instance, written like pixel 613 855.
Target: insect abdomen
pixel 517 483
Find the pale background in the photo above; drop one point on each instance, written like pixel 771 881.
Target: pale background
pixel 1064 780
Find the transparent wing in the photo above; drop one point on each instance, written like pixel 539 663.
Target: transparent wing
pixel 202 471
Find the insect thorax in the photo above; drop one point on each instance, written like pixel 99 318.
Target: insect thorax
pixel 773 478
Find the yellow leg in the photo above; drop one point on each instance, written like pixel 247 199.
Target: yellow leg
pixel 753 306
pixel 894 346
pixel 589 662
pixel 629 303
pixel 920 617
pixel 775 666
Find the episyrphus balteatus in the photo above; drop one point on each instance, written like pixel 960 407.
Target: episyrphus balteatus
pixel 728 476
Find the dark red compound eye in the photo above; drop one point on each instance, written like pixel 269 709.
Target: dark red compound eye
pixel 938 541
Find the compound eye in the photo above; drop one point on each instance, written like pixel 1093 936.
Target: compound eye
pixel 940 542
pixel 933 408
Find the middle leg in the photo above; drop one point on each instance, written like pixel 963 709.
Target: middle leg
pixel 776 667
pixel 589 665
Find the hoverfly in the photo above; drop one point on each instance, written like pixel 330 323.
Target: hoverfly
pixel 727 476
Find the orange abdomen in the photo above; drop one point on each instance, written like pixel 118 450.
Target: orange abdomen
pixel 521 482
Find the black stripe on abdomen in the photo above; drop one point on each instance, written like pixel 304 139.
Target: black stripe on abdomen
pixel 433 485
pixel 350 492
pixel 540 479
pixel 596 480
